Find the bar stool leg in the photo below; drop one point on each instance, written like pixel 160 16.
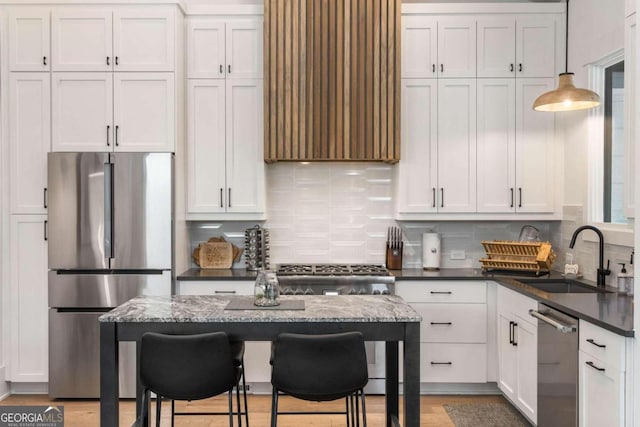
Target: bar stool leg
pixel 238 402
pixel 346 399
pixel 364 411
pixel 244 392
pixel 274 408
pixel 231 408
pixel 158 409
pixel 173 411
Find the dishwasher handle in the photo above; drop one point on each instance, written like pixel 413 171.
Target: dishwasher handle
pixel 565 329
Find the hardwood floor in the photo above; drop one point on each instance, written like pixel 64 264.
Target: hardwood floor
pixel 85 413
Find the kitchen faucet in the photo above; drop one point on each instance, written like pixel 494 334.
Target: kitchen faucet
pixel 602 272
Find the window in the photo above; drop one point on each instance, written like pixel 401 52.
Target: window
pixel 614 160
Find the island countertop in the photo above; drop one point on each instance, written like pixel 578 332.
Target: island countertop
pixel 211 308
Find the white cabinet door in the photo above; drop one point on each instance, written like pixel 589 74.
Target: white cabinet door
pixel 81 39
pixel 507 356
pixel 496 47
pixel 244 49
pixel 144 39
pixel 28 300
pixel 457 145
pixel 456 47
pixel 496 145
pixel 535 170
pixel 526 339
pixel 206 146
pixel 601 393
pixel 418 168
pixel 82 111
pixel 29 39
pixel 536 47
pixel 29 140
pixel 245 149
pixel 205 49
pixel 419 47
pixel 630 136
pixel 144 112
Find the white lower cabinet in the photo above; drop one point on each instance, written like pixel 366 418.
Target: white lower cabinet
pixel 518 351
pixel 453 332
pixel 29 331
pixel 257 354
pixel 601 377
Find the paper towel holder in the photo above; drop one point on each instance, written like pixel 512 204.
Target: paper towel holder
pixel 430 251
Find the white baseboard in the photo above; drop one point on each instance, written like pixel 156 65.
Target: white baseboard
pixel 29 388
pixel 4 385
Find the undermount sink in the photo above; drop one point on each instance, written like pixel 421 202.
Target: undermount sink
pixel 562 286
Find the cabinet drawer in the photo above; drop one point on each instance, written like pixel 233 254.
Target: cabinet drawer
pixel 453 363
pixel 235 287
pixel 442 291
pixel 452 323
pixel 602 344
pixel 601 393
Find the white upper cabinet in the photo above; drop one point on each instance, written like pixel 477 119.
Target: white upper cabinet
pixel 29 39
pixel 456 47
pixel 442 47
pixel 217 49
pixel 29 133
pixel 517 46
pixel 144 39
pixel 82 111
pixel 125 39
pixel 418 169
pixel 144 112
pixel 457 145
pixel 81 39
pixel 536 46
pixel 496 145
pixel 535 149
pixel 630 129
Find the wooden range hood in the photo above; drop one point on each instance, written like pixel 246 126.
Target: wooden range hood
pixel 332 80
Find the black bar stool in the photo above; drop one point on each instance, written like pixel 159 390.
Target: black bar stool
pixel 320 368
pixel 191 367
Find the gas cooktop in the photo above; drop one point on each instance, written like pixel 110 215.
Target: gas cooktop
pixel 332 270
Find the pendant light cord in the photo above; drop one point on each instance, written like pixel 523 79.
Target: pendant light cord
pixel 566 44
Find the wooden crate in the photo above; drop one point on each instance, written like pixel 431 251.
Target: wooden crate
pixel 535 257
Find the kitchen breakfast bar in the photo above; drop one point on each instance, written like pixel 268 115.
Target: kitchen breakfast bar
pixel 379 318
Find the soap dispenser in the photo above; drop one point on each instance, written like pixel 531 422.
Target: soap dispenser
pixel 630 278
pixel 623 279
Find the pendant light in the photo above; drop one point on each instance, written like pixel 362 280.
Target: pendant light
pixel 566 97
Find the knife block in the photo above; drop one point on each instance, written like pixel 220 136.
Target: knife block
pixel 394 258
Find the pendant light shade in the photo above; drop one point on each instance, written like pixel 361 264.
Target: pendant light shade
pixel 566 97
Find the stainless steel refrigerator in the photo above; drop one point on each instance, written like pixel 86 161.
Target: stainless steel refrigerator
pixel 110 232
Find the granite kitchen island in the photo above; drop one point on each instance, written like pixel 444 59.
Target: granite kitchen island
pixel 379 318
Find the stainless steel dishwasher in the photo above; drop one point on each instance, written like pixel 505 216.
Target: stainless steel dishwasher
pixel 557 367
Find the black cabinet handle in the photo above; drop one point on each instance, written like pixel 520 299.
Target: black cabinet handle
pixel 520 67
pixel 229 200
pixel 45 231
pixel 433 68
pixel 117 127
pixel 511 196
pixel 224 292
pixel 441 197
pixel 442 68
pixel 510 332
pixel 108 61
pixel 515 337
pixel 591 341
pixel 44 60
pixel 117 60
pixel 221 69
pixel 108 132
pixel 520 197
pixel 221 205
pixel 441 292
pixel 434 197
pixel 45 197
pixel 441 363
pixel 229 69
pixel 595 367
pixel 511 68
pixel 441 323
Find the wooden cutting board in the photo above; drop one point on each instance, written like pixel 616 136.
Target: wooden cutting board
pixel 216 255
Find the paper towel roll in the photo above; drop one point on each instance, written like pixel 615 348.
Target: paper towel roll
pixel 430 251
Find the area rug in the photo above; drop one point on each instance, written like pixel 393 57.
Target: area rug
pixel 484 415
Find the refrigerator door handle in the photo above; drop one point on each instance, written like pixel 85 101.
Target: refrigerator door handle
pixel 108 210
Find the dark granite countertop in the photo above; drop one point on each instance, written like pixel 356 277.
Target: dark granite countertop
pixel 610 311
